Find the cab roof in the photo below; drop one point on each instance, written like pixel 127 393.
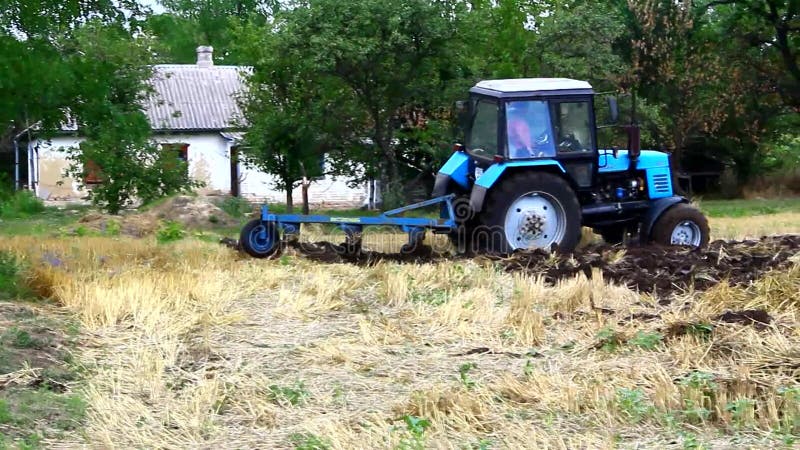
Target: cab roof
pixel 532 87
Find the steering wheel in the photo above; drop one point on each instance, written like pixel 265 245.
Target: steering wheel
pixel 569 143
pixel 542 139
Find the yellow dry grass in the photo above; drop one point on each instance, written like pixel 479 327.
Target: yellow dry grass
pixel 193 346
pixel 753 227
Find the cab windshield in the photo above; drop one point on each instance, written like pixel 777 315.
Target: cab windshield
pixel 529 130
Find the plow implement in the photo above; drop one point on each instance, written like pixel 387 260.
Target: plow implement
pixel 262 237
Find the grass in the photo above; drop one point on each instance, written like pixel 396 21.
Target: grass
pixel 195 346
pixel 192 345
pixel 37 368
pixel 20 204
pixel 47 222
pixel 748 208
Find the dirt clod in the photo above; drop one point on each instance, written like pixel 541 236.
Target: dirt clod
pixel 758 318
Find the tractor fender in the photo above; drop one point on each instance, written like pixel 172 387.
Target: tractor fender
pixel 456 170
pixel 496 171
pixel 658 208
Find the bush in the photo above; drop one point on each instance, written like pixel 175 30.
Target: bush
pixel 236 207
pixel 20 204
pixel 169 232
pixel 11 282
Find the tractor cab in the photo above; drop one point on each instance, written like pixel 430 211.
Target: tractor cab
pixel 532 175
pixel 534 119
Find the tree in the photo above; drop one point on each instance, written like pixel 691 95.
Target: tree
pixel 769 33
pixel 376 57
pixel 190 23
pixel 63 61
pixel 285 113
pixel 111 82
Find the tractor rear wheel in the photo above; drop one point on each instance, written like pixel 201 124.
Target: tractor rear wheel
pixel 259 239
pixel 528 211
pixel 681 224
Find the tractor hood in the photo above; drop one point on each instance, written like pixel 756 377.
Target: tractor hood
pixel 649 159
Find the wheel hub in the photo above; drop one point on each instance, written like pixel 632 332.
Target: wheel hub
pixel 534 220
pixel 532 226
pixel 686 233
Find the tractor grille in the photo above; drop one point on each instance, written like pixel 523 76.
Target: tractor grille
pixel 661 183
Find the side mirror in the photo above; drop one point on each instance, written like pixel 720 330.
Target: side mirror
pixel 613 107
pixel 461 106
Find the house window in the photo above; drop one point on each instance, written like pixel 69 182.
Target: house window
pixel 179 151
pixel 92 174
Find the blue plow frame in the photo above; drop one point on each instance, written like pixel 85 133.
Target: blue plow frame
pixel 353 226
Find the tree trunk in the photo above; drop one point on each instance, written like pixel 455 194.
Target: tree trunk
pixel 391 191
pixel 304 186
pixel 289 200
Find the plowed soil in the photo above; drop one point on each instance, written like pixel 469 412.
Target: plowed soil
pixel 646 268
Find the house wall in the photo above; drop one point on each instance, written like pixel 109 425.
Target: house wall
pixel 328 192
pixel 51 184
pixel 209 162
pixel 209 158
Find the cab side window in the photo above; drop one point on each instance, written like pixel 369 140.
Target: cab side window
pixel 572 127
pixel 483 134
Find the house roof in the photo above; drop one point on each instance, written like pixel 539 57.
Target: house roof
pixel 195 97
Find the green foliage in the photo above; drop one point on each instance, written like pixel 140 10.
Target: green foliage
pixel 5 412
pixel 608 339
pixel 170 231
pixel 699 380
pixel 309 441
pixel 633 404
pixel 691 442
pixel 31 442
pixel 463 375
pixel 694 412
pixel 19 338
pixel 113 228
pixel 366 65
pixel 236 207
pixel 739 409
pixel 9 276
pixel 118 149
pixel 415 430
pixel 286 395
pixel 528 369
pixel 12 284
pixel 647 341
pixel 20 205
pixel 433 297
pixel 189 23
pixel 747 208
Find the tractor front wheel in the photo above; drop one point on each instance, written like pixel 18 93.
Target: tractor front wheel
pixel 259 239
pixel 529 211
pixel 681 224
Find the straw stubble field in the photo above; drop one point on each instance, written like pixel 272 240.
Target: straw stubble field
pixel 191 345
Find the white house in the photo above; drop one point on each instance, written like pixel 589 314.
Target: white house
pixel 194 111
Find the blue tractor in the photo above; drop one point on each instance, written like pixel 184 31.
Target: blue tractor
pixel 529 176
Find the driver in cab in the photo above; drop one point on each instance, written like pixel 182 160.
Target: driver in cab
pixel 528 125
